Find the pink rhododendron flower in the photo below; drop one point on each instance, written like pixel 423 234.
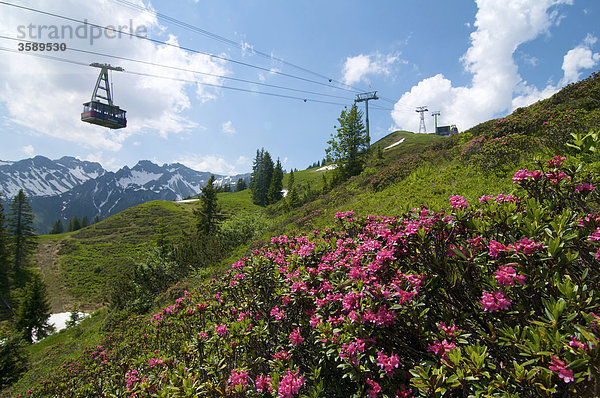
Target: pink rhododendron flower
pixel 585 187
pixel 349 350
pixel 221 329
pixel 238 378
pixel 507 276
pixel 375 388
pixel 501 198
pixel 263 382
pixel 281 355
pixel 342 215
pixel 485 198
pixel 458 202
pixel 496 248
pixel 277 313
pixel 527 246
pixel 595 236
pixel 441 348
pixel 388 363
pixel 494 301
pixel 450 331
pixel 290 384
pixel 576 344
pixel 561 367
pixel 295 337
pixel 556 162
pixel 156 362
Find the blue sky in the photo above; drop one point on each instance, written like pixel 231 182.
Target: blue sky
pixel 471 61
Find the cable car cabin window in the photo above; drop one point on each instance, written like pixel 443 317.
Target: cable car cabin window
pixel 104 115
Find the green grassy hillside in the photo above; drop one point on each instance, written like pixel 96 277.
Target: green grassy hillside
pixel 424 170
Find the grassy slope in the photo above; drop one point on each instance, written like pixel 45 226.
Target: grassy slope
pixel 50 353
pixel 79 266
pixel 430 183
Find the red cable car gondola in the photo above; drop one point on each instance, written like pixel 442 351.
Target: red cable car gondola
pixel 103 113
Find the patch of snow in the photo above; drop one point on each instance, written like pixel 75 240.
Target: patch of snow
pixel 81 175
pixel 284 192
pixel 328 167
pixel 394 144
pixel 187 200
pixel 138 178
pixel 59 320
pixel 5 163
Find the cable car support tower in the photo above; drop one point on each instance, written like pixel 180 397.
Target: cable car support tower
pixel 100 109
pixel 372 95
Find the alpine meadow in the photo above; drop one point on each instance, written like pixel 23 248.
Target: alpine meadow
pixel 455 266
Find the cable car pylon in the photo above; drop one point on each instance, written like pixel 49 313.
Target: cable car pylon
pixel 101 110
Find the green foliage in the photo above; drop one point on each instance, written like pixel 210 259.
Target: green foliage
pixel 240 185
pixel 57 228
pixel 4 242
pixel 34 311
pixel 156 274
pixel 290 182
pixel 20 227
pixel 13 357
pixel 349 145
pixel 209 213
pixel 274 194
pixel 495 298
pixel 586 145
pixel 92 260
pixel 74 318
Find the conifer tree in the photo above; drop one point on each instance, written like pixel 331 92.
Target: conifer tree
pixel 293 199
pixel 34 311
pixel 240 185
pixel 325 187
pixel 20 225
pixel 74 318
pixel 209 213
pixel 290 181
pixel 262 180
pixel 349 146
pixel 74 224
pixel 255 168
pixel 274 194
pixel 57 228
pixel 84 222
pixel 96 219
pixel 3 240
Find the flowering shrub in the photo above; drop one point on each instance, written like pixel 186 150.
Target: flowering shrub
pixel 496 298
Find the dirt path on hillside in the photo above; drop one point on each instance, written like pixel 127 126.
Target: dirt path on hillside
pixel 47 260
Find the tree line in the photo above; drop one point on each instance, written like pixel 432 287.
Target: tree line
pixel 23 295
pixel 74 224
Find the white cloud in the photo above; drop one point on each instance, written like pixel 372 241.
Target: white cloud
pixel 358 67
pixel 46 96
pixel 28 150
pixel 581 57
pixel 243 161
pixel 247 49
pixel 212 163
pixel 110 164
pixel 228 128
pixel 500 28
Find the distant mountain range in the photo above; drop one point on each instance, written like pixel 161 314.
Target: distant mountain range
pixel 69 187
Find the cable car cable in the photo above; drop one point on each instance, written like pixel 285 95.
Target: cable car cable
pixel 174 45
pixel 45 56
pixel 231 42
pixel 187 70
